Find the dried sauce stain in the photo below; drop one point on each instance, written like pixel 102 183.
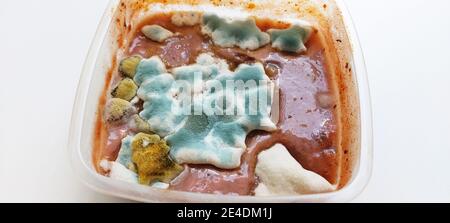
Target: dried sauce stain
pixel 101 131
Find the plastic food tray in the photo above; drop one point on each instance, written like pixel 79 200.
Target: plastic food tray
pixel 92 82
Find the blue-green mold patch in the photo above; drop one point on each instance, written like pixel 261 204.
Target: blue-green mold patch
pixel 209 137
pixel 292 39
pixel 234 32
pixel 156 33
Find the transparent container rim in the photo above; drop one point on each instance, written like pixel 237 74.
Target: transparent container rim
pixel 115 188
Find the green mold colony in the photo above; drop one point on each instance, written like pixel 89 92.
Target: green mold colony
pixel 156 33
pixel 292 39
pixel 229 33
pixel 213 139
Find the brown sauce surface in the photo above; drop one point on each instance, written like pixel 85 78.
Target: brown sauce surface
pixel 307 125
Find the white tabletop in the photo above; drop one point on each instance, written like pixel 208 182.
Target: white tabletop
pixel 406 43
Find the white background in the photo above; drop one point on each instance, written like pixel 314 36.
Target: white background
pixel 407 47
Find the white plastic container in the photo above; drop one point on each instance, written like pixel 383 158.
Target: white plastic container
pixel 92 83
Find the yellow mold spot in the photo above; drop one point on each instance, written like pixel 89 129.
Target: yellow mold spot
pixel 151 155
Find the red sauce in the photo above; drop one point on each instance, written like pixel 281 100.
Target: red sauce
pixel 307 125
pixel 307 130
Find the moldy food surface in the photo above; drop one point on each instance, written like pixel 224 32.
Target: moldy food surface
pixel 153 138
